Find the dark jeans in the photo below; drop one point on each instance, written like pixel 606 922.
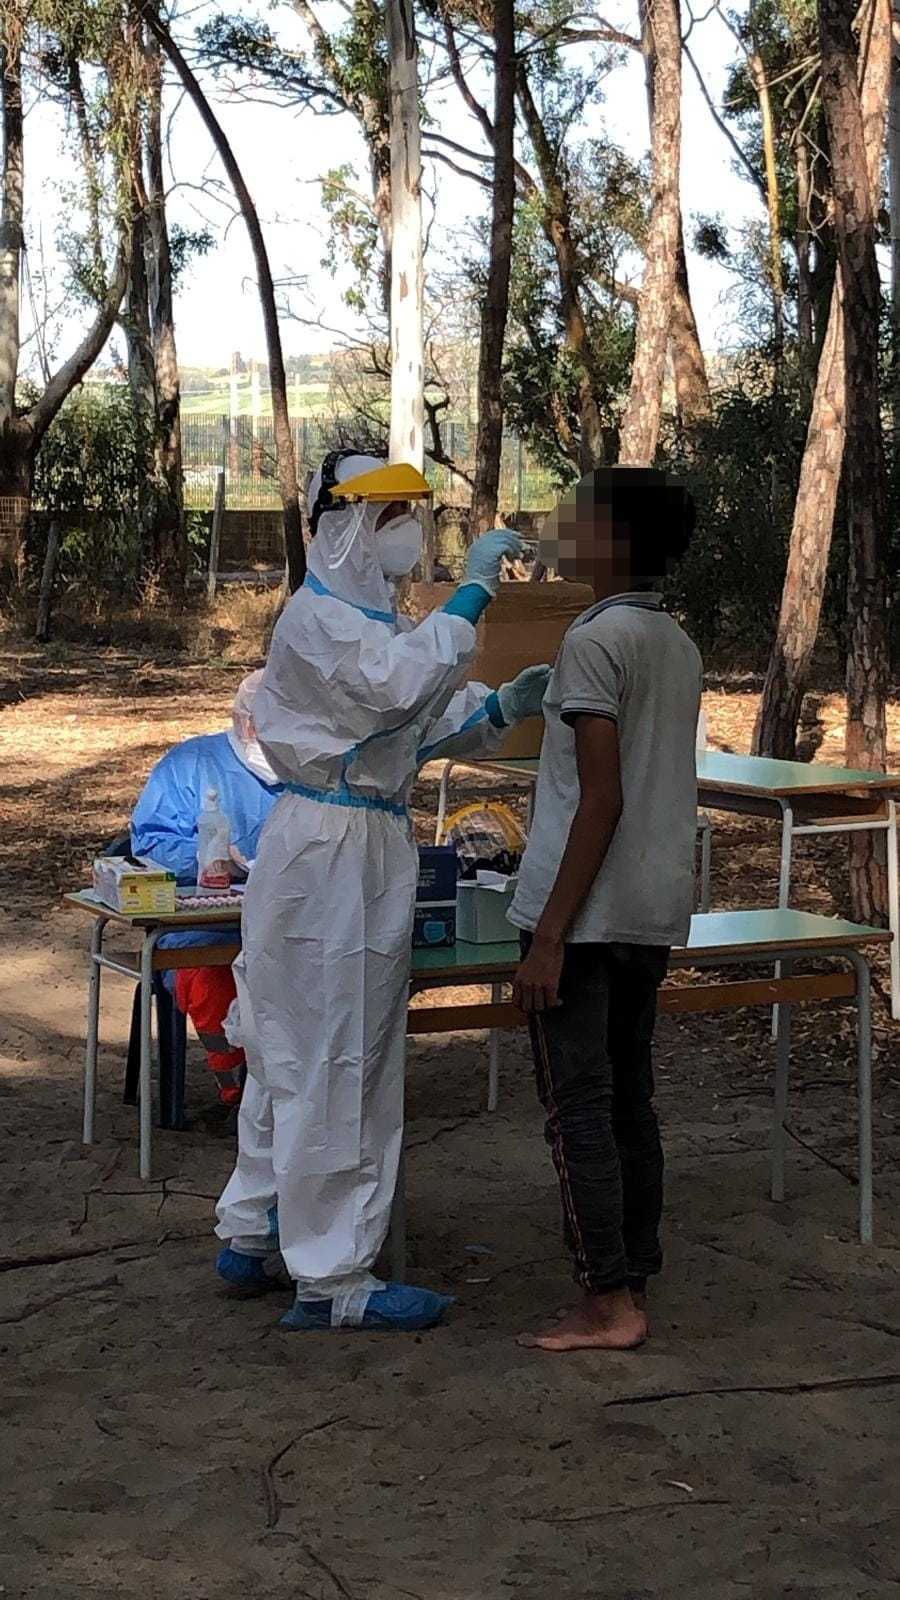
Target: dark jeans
pixel 592 1056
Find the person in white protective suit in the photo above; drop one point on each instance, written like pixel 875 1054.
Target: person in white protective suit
pixel 353 700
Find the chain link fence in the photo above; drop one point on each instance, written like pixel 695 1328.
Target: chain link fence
pixel 244 448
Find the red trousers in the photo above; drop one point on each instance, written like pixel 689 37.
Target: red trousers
pixel 204 994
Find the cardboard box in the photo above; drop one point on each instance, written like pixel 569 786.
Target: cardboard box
pixel 522 627
pixel 481 913
pixel 140 887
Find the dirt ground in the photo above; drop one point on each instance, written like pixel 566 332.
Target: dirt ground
pixel 165 1441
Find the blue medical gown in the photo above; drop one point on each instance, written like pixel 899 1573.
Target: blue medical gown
pixel 164 821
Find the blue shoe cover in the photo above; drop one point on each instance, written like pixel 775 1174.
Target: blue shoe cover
pixel 399 1306
pixel 244 1272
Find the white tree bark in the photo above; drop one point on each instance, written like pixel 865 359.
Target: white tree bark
pixel 407 279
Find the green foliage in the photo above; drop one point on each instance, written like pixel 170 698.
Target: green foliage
pixel 743 467
pixel 352 235
pixel 541 377
pixel 89 469
pixel 248 45
pixel 186 245
pixel 361 51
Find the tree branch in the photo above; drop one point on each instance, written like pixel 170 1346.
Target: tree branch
pixel 72 371
pixel 474 177
pixel 723 127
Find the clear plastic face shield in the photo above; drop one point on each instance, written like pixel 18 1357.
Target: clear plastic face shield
pixel 379 505
pixel 339 546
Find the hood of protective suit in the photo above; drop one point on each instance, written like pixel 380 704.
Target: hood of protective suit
pixel 353 574
pixel 242 734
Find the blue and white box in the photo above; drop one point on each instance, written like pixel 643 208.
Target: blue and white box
pixel 434 926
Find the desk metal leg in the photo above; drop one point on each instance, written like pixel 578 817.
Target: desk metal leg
pixel 782 1070
pixel 146 1091
pixel 893 874
pixel 494 1055
pixel 396 1240
pixel 442 801
pixel 864 1091
pixel 93 1031
pixel 705 864
pixel 784 882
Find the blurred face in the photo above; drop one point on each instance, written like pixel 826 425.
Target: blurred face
pixel 588 538
pixel 578 541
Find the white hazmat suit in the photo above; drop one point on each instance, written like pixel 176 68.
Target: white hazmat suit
pixel 353 700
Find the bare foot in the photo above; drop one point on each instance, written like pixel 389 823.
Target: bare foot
pixel 602 1322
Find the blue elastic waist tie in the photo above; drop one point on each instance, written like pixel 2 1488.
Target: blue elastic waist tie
pixel 345 797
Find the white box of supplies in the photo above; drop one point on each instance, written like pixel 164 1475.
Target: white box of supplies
pixel 136 885
pixel 481 907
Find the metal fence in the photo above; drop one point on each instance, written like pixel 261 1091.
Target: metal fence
pixel 244 447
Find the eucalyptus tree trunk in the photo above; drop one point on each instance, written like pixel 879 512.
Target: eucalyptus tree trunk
pixel 894 177
pixel 556 219
pixel 286 465
pixel 692 397
pixel 856 207
pixel 804 264
pixel 661 38
pixel 775 733
pixel 167 460
pixel 773 200
pixel 21 431
pixel 407 442
pixel 494 312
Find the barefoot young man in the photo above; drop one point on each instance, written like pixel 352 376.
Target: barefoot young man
pixel 606 885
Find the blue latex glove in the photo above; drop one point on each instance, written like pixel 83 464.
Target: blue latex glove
pixel 486 555
pixel 524 696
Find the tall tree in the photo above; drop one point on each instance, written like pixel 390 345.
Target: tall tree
pixel 286 465
pixel 692 397
pixel 894 177
pixel 23 427
pixel 661 35
pixel 495 307
pixel 167 464
pixel 559 227
pixel 147 316
pixel 810 543
pixel 407 275
pixel 856 205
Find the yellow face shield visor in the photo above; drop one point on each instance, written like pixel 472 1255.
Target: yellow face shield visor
pixel 395 481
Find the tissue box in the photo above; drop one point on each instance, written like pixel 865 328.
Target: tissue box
pixel 481 913
pixel 434 925
pixel 437 873
pixel 142 890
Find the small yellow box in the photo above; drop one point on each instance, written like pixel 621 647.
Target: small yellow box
pixel 138 888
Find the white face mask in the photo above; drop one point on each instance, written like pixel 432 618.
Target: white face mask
pixel 250 751
pixel 398 545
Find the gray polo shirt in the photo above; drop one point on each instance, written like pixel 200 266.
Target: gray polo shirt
pixel 628 660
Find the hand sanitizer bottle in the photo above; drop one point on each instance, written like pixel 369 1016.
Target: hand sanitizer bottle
pixel 213 845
